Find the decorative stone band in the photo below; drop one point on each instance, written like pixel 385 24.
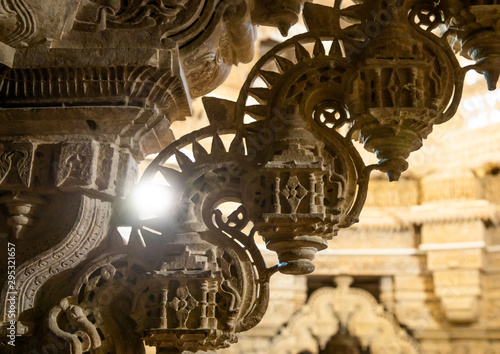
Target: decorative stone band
pixel 54 77
pixel 90 228
pixel 128 96
pixel 70 166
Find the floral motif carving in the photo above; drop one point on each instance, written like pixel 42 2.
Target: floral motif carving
pixel 77 165
pixel 183 304
pixel 133 14
pixel 294 192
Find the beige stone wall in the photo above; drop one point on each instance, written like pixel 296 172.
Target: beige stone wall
pixel 434 242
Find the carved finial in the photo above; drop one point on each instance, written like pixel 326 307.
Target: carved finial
pixel 343 282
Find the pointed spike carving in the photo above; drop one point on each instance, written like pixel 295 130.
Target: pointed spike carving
pixel 270 77
pixel 136 238
pixel 156 225
pixel 148 234
pixel 183 161
pixel 254 127
pixel 170 175
pixel 491 77
pixel 352 13
pixel 284 64
pixel 199 151
pixel 261 94
pixel 217 145
pixel 219 111
pixel 237 146
pixel 319 49
pixel 258 112
pixel 335 49
pixel 301 53
pixel 319 18
pixel 356 33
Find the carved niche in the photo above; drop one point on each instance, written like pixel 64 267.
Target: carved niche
pixel 340 318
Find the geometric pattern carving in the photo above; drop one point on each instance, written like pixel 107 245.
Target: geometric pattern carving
pixel 294 192
pixel 183 304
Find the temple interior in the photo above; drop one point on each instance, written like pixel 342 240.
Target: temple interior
pixel 250 176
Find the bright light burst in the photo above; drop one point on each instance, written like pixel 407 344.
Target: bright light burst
pixel 151 200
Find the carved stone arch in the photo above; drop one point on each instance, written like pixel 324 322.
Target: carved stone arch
pixel 330 311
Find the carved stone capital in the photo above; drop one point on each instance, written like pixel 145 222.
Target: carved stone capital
pixel 127 96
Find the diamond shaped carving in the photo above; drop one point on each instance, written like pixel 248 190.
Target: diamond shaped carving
pixel 294 192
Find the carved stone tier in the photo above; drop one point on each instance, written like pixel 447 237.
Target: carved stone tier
pixel 182 294
pixel 124 96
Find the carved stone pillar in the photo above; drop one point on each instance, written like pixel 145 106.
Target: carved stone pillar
pixel 86 89
pixel 72 125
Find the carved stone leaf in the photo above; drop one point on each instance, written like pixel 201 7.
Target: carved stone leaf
pixel 175 303
pixel 191 303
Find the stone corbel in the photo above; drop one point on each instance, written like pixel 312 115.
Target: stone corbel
pixel 460 292
pixel 456 267
pixel 226 41
pixel 32 22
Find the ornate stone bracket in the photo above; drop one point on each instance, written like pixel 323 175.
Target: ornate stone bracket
pixel 89 230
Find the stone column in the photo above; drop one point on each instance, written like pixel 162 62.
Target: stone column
pixel 86 90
